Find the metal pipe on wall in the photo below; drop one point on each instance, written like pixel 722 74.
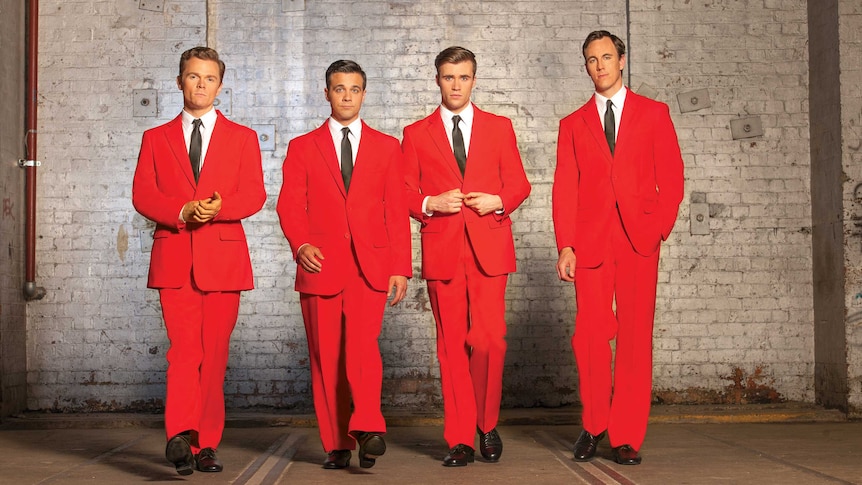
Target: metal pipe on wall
pixel 31 291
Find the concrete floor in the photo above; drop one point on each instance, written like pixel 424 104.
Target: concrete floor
pixel 778 444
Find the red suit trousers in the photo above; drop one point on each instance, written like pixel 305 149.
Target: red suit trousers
pixel 344 354
pixel 199 325
pixel 470 311
pixel 618 404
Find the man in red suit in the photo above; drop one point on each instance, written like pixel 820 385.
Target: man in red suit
pixel 464 178
pixel 197 177
pixel 342 208
pixel 617 190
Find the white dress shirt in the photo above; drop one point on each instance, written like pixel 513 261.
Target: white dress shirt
pixel 619 100
pixel 208 121
pixel 354 136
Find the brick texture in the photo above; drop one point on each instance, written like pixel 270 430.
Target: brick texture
pixel 734 314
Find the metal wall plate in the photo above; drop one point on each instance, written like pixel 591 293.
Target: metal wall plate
pixel 749 127
pixel 145 102
pixel 648 91
pixel 152 5
pixel 292 5
pixel 223 101
pixel 699 219
pixel 693 100
pixel 146 241
pixel 265 136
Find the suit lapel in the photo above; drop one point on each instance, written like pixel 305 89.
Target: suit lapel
pixel 323 140
pixel 437 132
pixel 630 115
pixel 363 163
pixel 176 140
pixel 218 139
pixel 590 115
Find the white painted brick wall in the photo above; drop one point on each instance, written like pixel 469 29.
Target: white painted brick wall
pixel 850 26
pixel 739 298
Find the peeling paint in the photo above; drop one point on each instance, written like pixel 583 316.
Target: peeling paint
pixel 122 242
pixel 744 389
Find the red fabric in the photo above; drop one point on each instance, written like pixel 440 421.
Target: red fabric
pixel 471 347
pixel 164 183
pixel 493 166
pixel 314 208
pixel 342 332
pixel 614 211
pixel 466 259
pixel 364 237
pixel 199 325
pixel 198 268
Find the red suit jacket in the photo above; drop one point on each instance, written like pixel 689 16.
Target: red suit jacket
pixel 644 177
pixel 314 208
pixel 164 182
pixel 493 166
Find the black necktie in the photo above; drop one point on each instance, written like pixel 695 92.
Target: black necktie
pixel 458 145
pixel 195 149
pixel 346 158
pixel 610 127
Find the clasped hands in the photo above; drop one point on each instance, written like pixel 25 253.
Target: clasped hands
pixel 201 211
pixel 451 202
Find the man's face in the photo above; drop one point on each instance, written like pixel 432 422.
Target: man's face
pixel 605 66
pixel 456 82
pixel 200 83
pixel 345 95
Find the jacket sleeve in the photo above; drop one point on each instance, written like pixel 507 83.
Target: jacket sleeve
pixel 148 198
pixel 516 187
pixel 565 189
pixel 668 172
pixel 398 216
pixel 414 195
pixel 293 199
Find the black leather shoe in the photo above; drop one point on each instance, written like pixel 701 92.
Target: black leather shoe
pixel 460 455
pixel 179 452
pixel 490 445
pixel 208 461
pixel 586 446
pixel 371 446
pixel 626 455
pixel 337 459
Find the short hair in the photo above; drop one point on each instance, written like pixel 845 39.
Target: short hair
pixel 454 55
pixel 601 34
pixel 346 67
pixel 203 53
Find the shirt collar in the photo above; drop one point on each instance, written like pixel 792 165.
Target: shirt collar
pixel 208 119
pixel 335 128
pixel 466 115
pixel 618 99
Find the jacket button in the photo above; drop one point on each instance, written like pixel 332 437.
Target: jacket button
pixel 346 236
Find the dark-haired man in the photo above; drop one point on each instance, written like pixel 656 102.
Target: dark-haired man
pixel 617 190
pixel 197 177
pixel 342 208
pixel 464 178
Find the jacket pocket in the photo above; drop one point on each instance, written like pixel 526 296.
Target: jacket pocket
pixel 231 232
